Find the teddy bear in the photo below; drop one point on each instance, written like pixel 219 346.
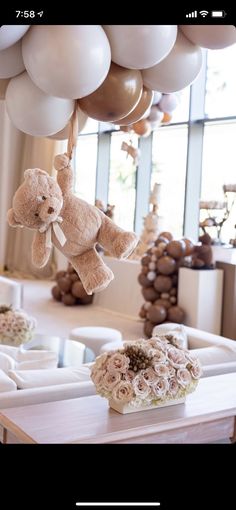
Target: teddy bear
pixel 72 225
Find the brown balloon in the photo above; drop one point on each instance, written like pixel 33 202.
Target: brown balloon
pixel 148 327
pixel 138 112
pixel 156 314
pixel 142 127
pixel 116 97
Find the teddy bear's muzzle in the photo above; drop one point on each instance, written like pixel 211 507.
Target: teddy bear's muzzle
pixel 49 210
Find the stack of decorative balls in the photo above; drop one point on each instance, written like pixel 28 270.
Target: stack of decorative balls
pixel 159 280
pixel 69 289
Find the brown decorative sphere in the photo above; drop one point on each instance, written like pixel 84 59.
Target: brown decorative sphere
pixel 147 328
pixel 64 284
pixel 149 294
pixel 156 314
pixel 175 314
pixel 70 269
pixel 144 269
pixel 56 293
pixel 176 249
pixel 173 291
pixel 78 290
pixel 85 300
pixel 174 279
pixel 166 235
pixel 166 265
pixel 189 247
pixel 60 274
pixel 163 302
pixel 162 283
pixel 144 281
pixel 145 260
pixel 161 240
pixel 68 299
pixel 73 277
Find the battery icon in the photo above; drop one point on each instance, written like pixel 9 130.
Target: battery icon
pixel 218 14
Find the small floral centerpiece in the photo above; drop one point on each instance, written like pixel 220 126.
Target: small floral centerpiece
pixel 16 327
pixel 146 374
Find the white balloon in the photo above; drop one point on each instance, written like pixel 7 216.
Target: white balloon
pixel 34 112
pixel 155 115
pixel 10 34
pixel 64 133
pixel 3 88
pixel 156 97
pixel 11 61
pixel 213 37
pixel 168 103
pixel 69 61
pixel 140 46
pixel 179 69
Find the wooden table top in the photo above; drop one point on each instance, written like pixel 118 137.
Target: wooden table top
pixel 90 420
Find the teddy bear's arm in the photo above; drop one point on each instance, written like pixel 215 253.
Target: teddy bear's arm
pixel 40 252
pixel 65 173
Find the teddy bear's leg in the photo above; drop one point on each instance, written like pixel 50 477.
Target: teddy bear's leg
pixel 116 241
pixel 94 274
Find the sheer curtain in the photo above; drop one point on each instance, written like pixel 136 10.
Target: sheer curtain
pixel 17 153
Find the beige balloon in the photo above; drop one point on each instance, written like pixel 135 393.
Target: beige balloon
pixel 213 37
pixel 64 133
pixel 11 61
pixel 178 70
pixel 140 110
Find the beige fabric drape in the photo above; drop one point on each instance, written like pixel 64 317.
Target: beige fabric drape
pixel 17 153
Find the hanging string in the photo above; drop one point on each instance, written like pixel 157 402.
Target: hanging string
pixel 73 133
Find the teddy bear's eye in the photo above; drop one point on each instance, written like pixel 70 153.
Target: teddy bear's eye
pixel 36 214
pixel 44 198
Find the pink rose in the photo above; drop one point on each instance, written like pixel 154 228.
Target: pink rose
pixel 110 380
pixel 140 386
pixel 183 377
pixel 173 386
pixel 159 357
pixel 123 392
pixel 196 370
pixel 129 376
pixel 118 363
pixel 160 388
pixel 176 358
pixel 161 370
pixel 100 361
pixel 97 377
pixel 149 375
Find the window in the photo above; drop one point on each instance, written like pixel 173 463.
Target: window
pixel 221 83
pixel 86 164
pixel 122 181
pixel 169 153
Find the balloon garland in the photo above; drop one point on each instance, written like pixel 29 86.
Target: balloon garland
pixel 111 71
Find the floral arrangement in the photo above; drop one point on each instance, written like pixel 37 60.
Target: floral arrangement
pixel 16 327
pixel 146 372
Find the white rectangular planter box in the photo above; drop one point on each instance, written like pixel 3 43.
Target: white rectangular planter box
pixel 129 408
pixel 200 294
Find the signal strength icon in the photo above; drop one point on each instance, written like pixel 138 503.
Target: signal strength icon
pixel 203 13
pixel 191 14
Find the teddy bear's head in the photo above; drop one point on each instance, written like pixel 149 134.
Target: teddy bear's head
pixel 37 202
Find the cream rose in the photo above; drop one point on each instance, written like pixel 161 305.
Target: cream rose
pixel 118 363
pixel 176 358
pixel 173 386
pixel 159 357
pixel 123 392
pixel 101 360
pixel 140 386
pixel 161 370
pixel 160 388
pixel 183 377
pixel 110 380
pixel 149 375
pixel 196 370
pixel 97 377
pixel 129 376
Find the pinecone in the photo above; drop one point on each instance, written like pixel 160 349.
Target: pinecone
pixel 5 309
pixel 139 359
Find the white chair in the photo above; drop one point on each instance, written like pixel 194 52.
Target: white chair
pixel 96 337
pixel 11 293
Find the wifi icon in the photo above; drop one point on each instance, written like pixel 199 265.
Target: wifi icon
pixel 203 13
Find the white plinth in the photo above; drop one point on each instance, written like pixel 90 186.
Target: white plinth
pixel 224 253
pixel 11 293
pixel 200 295
pixel 129 408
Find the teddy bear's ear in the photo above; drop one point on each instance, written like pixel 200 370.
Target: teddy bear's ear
pixel 32 172
pixel 12 220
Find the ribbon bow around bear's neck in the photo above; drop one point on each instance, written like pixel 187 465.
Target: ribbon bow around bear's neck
pixel 54 225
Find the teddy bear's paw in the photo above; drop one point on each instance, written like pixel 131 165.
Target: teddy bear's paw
pixel 98 279
pixel 61 161
pixel 124 244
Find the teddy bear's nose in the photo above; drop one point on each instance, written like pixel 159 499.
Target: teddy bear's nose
pixel 50 210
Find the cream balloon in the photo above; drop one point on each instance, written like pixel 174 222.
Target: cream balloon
pixel 213 37
pixel 156 97
pixel 11 61
pixel 64 133
pixel 69 61
pixel 34 112
pixel 168 103
pixel 140 46
pixel 3 88
pixel 10 34
pixel 179 69
pixel 155 115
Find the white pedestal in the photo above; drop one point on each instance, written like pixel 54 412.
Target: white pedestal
pixel 224 253
pixel 200 295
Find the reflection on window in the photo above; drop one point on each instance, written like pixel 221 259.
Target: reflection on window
pixel 86 164
pixel 221 83
pixel 181 113
pixel 169 155
pixel 122 181
pixel 219 168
